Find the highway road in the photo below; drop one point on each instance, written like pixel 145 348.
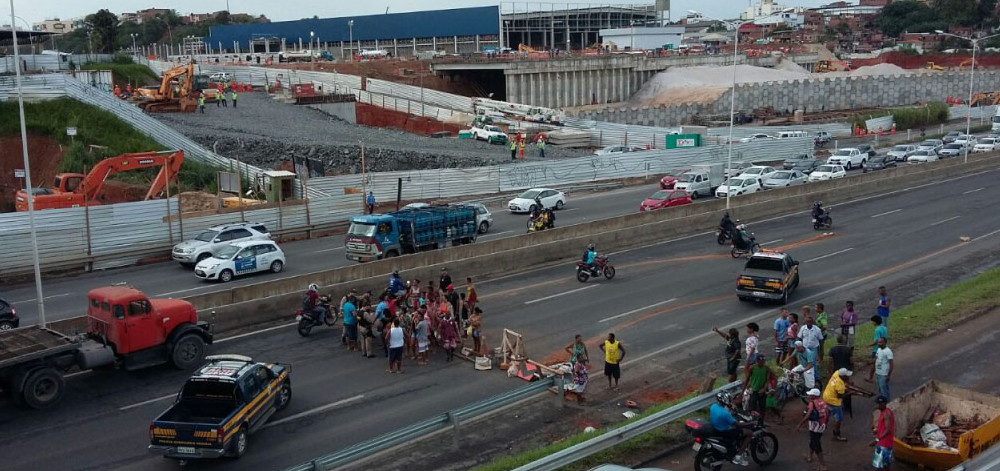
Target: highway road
pixel 662 304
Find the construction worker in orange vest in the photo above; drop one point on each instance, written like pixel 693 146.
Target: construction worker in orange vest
pixel 520 146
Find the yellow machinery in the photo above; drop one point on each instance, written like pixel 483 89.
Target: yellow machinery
pixel 174 92
pixel 933 66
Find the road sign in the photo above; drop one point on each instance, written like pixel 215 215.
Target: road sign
pixel 18 173
pixel 71 131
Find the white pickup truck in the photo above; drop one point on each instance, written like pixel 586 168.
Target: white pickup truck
pixel 489 133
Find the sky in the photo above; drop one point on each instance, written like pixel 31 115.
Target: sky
pixel 37 10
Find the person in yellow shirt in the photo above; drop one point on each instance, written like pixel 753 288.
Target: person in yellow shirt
pixel 833 395
pixel 614 352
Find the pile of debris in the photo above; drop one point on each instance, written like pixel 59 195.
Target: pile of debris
pixel 940 429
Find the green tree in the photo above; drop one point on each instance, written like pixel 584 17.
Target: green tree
pixel 223 18
pixel 104 26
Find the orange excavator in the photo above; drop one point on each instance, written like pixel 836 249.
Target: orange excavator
pixel 175 92
pixel 73 190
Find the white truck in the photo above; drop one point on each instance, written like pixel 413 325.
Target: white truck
pixel 489 133
pixel 996 121
pixel 701 180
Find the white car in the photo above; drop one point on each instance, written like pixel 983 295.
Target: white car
pixel 986 144
pixel 783 178
pixel 901 152
pixel 190 252
pixel 741 185
pixel 848 157
pixel 738 168
pixel 757 137
pixel 762 172
pixel 922 156
pixel 827 172
pixel 951 150
pixel 965 140
pixel 220 77
pixel 241 258
pixel 931 144
pixel 526 201
pixel 613 150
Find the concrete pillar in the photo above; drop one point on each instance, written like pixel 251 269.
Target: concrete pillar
pixel 522 90
pixel 395 48
pixel 456 44
pixel 414 44
pixel 533 92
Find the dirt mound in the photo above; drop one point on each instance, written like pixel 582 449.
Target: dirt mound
pixel 704 84
pixel 194 201
pixel 44 154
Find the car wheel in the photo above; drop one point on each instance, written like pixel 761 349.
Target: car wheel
pixel 6 325
pixel 239 446
pixel 848 167
pixel 277 266
pixel 559 204
pixel 483 227
pixel 694 195
pixel 284 395
pixel 226 276
pixel 43 388
pixel 202 257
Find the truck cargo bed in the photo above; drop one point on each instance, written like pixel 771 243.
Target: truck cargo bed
pixel 20 345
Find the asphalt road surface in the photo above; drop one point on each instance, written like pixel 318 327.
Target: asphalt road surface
pixel 662 304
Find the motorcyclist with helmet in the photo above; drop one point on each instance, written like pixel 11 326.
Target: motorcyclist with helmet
pixel 727 427
pixel 727 226
pixel 741 236
pixel 590 257
pixel 396 285
pixel 817 211
pixel 311 304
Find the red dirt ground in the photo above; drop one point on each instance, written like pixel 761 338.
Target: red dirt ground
pixel 913 61
pixel 44 154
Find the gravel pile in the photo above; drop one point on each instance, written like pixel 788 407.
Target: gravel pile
pixel 263 132
pixel 679 85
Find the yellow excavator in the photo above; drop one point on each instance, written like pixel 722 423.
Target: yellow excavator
pixel 986 99
pixel 174 93
pixel 933 66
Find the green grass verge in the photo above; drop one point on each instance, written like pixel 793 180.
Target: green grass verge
pixel 934 312
pixel 908 117
pixel 125 74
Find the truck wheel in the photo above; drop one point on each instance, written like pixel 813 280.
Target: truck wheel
pixel 238 447
pixel 284 395
pixel 390 254
pixel 188 352
pixel 43 388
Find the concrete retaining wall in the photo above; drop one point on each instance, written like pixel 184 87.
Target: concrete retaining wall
pixel 813 95
pixel 344 111
pixel 371 115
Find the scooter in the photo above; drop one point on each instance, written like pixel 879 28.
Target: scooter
pixel 307 319
pixel 824 221
pixel 601 266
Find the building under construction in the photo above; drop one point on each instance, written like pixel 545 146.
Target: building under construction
pixel 556 26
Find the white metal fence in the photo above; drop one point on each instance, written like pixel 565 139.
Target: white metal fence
pixel 984 113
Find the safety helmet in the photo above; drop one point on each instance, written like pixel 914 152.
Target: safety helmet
pixel 590 246
pixel 395 273
pixel 313 287
pixel 817 203
pixel 726 214
pixel 724 398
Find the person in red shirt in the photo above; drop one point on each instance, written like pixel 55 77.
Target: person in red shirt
pixel 884 431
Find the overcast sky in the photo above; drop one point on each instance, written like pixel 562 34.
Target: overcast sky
pixel 37 10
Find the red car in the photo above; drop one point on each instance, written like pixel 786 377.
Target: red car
pixel 668 180
pixel 665 199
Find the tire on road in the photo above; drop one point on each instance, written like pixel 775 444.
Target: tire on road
pixel 43 388
pixel 238 445
pixel 226 276
pixel 284 395
pixel 764 449
pixel 188 352
pixel 277 266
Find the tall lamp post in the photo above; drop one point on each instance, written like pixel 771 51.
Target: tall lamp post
pixel 350 40
pixel 312 55
pixel 134 50
pixel 732 96
pixel 972 76
pixel 27 173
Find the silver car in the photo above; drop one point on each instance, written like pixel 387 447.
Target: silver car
pixel 783 178
pixel 901 152
pixel 931 144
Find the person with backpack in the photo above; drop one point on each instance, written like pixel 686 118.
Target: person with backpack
pixel 817 414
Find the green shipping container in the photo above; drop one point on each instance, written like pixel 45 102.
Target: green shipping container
pixel 683 140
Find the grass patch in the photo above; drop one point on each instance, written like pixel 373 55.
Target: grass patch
pixel 126 73
pixel 908 117
pixel 936 311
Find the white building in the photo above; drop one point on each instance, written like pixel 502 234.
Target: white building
pixel 761 9
pixel 643 38
pixel 56 25
pixel 793 19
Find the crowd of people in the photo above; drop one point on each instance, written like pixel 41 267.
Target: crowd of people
pixel 799 340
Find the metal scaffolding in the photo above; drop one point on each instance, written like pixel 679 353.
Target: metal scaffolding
pixel 573 26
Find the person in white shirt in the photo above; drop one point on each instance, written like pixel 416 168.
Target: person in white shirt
pixel 811 335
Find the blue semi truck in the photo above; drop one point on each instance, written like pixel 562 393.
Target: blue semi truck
pixel 378 236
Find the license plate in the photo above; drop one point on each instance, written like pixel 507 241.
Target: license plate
pixel 758 293
pixel 814 220
pixel 187 450
pixel 298 318
pixel 696 446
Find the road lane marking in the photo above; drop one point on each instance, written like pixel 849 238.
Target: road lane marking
pixel 887 213
pixel 533 301
pixel 772 242
pixel 282 326
pixel 494 234
pixel 973 191
pixel 36 299
pixel 316 410
pixel 168 293
pixel 985 235
pixel 143 403
pixel 329 250
pixel 821 257
pixel 946 220
pixel 638 310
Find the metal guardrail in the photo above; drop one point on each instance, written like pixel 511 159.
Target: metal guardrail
pixel 439 422
pixel 614 437
pixel 986 461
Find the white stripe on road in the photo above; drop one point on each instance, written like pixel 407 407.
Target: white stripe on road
pixel 329 250
pixel 533 301
pixel 317 410
pixel 887 213
pixel 282 326
pixel 985 235
pixel 495 234
pixel 772 242
pixel 36 299
pixel 821 257
pixel 143 403
pixel 946 220
pixel 168 293
pixel 973 191
pixel 638 310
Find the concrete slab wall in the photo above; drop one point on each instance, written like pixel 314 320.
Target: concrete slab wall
pixel 344 111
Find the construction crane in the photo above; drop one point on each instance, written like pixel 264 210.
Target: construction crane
pixel 72 190
pixel 175 92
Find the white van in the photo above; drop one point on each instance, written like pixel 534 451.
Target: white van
pixel 792 134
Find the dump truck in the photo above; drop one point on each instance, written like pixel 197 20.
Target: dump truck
pixel 125 329
pixel 377 236
pixel 73 190
pixel 939 426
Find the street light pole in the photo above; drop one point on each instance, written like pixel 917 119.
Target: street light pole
pixel 312 55
pixel 27 174
pixel 350 40
pixel 134 50
pixel 972 76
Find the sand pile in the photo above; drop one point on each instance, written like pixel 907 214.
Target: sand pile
pixel 879 70
pixel 704 84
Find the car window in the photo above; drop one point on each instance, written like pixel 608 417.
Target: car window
pixel 3 305
pixel 260 228
pixel 239 234
pixel 118 311
pixel 138 308
pixel 265 249
pixel 206 236
pixel 246 253
pixel 250 386
pixel 547 193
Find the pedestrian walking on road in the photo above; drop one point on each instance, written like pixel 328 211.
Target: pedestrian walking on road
pixel 395 341
pixel 823 322
pixel 423 340
pixel 222 97
pixel 614 352
pixel 752 343
pixel 883 367
pixel 834 394
pixel 475 330
pixel 884 431
pixel 807 360
pixel 445 280
pixel 471 296
pixel 881 332
pixel 513 150
pixel 756 380
pixel 732 351
pixel 840 355
pixel 848 321
pixel 577 349
pixel 883 305
pixel 370 201
pixel 781 325
pixel 351 325
pixel 449 337
pixel 366 331
pixel 817 414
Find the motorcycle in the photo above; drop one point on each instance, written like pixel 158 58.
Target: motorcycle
pixel 751 248
pixel 713 450
pixel 601 266
pixel 790 385
pixel 723 236
pixel 541 221
pixel 823 222
pixel 307 319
